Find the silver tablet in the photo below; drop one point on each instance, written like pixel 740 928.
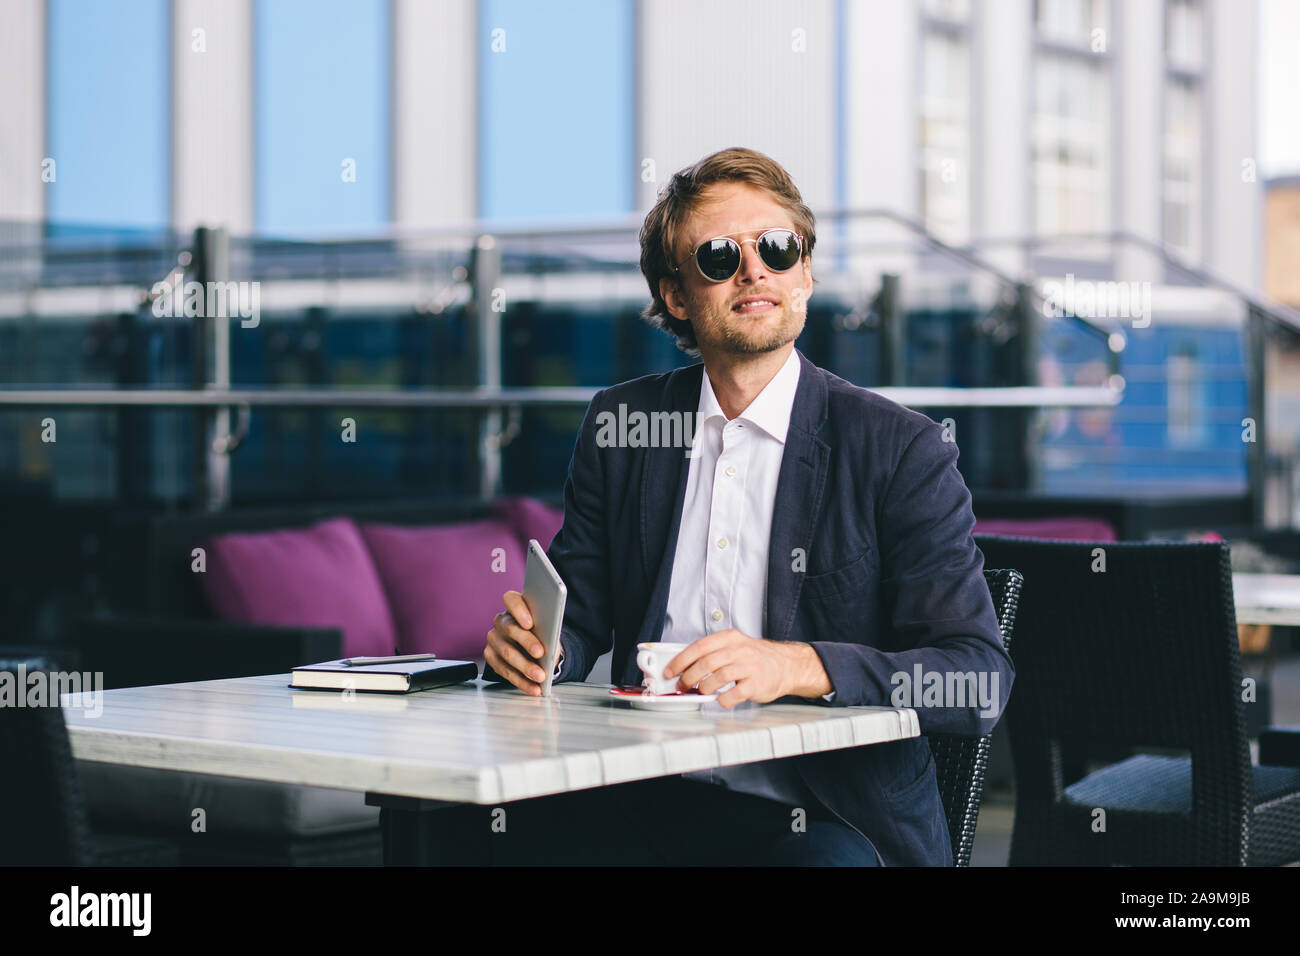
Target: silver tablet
pixel 545 593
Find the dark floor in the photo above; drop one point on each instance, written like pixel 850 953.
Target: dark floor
pixel 997 812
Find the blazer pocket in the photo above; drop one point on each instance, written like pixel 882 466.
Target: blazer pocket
pixel 917 815
pixel 905 789
pixel 849 584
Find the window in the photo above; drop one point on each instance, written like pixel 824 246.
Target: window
pixel 1183 46
pixel 1071 147
pixel 556 122
pixel 945 127
pixel 1070 21
pixel 109 120
pixel 1071 127
pixel 1186 399
pixel 321 102
pixel 1182 135
pixel 947 9
pixel 1182 204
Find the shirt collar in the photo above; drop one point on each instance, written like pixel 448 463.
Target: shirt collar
pixel 770 409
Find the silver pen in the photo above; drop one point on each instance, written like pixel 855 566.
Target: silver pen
pixel 355 661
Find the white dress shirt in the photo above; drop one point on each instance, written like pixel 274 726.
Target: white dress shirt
pixel 719 577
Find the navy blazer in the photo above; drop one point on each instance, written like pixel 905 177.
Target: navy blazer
pixel 871 561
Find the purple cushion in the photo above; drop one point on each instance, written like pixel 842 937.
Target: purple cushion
pixel 320 576
pixel 530 518
pixel 445 582
pixel 1053 529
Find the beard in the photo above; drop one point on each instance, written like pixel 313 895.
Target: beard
pixel 732 332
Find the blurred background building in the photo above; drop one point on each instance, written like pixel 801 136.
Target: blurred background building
pixel 440 197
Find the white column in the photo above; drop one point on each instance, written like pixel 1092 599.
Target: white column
pixel 881 135
pixel 755 73
pixel 22 113
pixel 1232 239
pixel 435 122
pixel 1137 44
pixel 212 115
pixel 1003 86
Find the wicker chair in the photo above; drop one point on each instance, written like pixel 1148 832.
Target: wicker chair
pixel 1139 656
pixel 41 807
pixel 960 761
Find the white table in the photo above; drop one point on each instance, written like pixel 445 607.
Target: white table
pixel 469 743
pixel 1267 598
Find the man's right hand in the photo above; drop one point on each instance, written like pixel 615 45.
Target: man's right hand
pixel 513 649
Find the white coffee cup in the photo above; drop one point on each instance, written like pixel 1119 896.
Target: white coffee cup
pixel 652 658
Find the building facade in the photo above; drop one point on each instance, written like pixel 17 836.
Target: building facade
pixel 997 122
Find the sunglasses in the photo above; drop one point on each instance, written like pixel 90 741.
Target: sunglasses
pixel 719 259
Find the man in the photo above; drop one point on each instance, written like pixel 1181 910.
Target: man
pixel 812 543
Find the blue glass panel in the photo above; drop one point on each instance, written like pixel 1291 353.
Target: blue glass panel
pixel 321 97
pixel 109 114
pixel 556 117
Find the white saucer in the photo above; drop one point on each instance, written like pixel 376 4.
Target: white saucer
pixel 638 698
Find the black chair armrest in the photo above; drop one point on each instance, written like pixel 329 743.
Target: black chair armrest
pixel 1279 747
pixel 135 652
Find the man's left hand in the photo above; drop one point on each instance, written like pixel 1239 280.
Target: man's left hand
pixel 762 670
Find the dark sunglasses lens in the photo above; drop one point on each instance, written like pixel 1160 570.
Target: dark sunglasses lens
pixel 779 249
pixel 719 259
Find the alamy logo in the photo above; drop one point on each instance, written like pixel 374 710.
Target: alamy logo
pixel 646 430
pixel 1089 299
pixel 215 299
pixel 103 909
pixel 923 688
pixel 43 689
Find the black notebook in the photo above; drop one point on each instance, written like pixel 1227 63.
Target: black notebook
pixel 398 678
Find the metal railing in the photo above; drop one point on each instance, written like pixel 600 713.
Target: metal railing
pixel 1262 317
pixel 212 398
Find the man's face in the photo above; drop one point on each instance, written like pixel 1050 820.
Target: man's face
pixel 714 309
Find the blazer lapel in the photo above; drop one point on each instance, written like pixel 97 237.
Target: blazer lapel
pixel 663 491
pixel 799 488
pixel 800 485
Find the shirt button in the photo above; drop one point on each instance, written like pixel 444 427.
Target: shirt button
pixel 717 614
pixel 731 471
pixel 722 542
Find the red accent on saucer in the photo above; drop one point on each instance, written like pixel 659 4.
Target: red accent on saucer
pixel 639 691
